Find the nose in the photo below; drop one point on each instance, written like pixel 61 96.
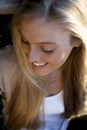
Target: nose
pixel 34 55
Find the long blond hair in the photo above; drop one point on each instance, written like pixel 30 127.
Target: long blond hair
pixel 28 89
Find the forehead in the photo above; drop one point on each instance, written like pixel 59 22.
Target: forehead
pixel 40 30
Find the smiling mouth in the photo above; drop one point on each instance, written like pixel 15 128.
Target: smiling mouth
pixel 39 64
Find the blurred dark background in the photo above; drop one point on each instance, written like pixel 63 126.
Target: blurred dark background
pixel 5 30
pixel 7 10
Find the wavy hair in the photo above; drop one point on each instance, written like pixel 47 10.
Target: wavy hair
pixel 28 89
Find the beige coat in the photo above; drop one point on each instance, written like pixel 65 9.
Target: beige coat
pixel 7 66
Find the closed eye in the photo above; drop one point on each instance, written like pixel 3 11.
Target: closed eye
pixel 48 51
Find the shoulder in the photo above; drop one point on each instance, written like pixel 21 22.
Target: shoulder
pixel 7 55
pixel 7 59
pixel 8 64
pixel 78 123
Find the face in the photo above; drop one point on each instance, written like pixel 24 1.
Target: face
pixel 47 46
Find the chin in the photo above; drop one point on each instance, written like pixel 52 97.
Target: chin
pixel 41 74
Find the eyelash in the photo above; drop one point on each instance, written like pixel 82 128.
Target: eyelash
pixel 49 52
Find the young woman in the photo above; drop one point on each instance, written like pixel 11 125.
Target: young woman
pixel 43 76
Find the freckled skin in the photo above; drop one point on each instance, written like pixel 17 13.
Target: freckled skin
pixel 38 32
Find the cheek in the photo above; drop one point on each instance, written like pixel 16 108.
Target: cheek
pixel 60 57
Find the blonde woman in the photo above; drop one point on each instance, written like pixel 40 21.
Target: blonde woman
pixel 43 76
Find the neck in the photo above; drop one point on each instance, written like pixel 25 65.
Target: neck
pixel 54 84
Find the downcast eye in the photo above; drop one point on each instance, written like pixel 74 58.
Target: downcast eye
pixel 48 51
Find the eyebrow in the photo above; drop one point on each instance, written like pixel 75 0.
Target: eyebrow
pixel 45 42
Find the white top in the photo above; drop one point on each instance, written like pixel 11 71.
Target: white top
pixel 54 104
pixel 53 109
